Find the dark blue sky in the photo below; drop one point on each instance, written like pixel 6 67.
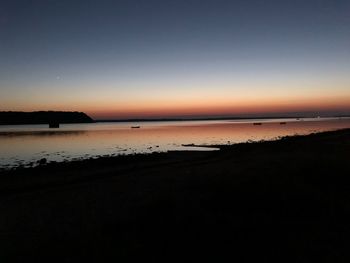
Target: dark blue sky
pixel 56 54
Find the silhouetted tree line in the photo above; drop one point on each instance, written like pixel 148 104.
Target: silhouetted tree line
pixel 43 117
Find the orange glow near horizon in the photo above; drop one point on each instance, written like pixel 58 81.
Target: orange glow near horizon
pixel 216 108
pixel 207 103
pixel 174 108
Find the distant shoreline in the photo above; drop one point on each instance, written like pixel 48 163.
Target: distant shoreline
pixel 72 117
pixel 217 118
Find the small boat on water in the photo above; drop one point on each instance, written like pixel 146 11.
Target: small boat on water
pixel 257 123
pixel 135 127
pixel 283 123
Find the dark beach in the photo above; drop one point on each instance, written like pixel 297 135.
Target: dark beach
pixel 287 199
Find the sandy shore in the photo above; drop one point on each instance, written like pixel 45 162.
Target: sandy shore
pixel 287 199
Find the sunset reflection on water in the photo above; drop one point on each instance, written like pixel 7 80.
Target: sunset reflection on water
pixel 22 145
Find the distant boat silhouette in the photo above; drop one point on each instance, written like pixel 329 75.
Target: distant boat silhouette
pixel 283 123
pixel 257 123
pixel 135 127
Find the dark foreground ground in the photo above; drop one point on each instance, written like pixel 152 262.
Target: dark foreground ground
pixel 286 200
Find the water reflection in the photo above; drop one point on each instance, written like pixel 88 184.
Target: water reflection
pixel 26 145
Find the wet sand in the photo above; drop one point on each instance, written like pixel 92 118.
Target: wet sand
pixel 286 200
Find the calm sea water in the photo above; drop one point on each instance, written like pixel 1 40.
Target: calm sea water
pixel 26 144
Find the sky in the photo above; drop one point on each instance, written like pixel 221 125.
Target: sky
pixel 180 58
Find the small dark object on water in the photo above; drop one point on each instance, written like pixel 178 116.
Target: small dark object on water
pixel 135 127
pixel 54 125
pixel 283 123
pixel 257 123
pixel 188 145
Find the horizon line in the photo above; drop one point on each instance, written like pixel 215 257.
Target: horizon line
pixel 220 118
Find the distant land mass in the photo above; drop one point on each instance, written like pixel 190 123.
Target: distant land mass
pixel 43 117
pixel 222 118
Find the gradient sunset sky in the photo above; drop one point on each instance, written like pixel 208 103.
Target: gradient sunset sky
pixel 137 59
